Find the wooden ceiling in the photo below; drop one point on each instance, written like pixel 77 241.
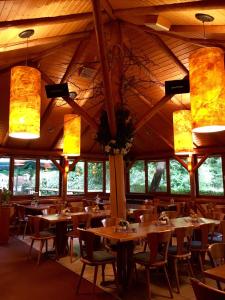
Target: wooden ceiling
pixel 155 39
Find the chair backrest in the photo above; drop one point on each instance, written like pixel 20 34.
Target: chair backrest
pixel 86 241
pixel 205 292
pixel 204 230
pixel 108 222
pixel 52 210
pixel 183 237
pixel 158 242
pixel 137 213
pixel 20 211
pixel 217 254
pixel 148 217
pixel 81 221
pixel 222 229
pixel 74 209
pixel 34 222
pixel 88 208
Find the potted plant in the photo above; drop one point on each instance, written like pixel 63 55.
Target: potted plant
pixel 5 196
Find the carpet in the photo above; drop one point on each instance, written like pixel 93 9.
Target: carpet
pixel 22 279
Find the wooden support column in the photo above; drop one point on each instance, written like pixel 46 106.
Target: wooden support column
pixel 112 95
pixel 117 186
pixel 64 179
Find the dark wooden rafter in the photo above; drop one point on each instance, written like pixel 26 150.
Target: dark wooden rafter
pixel 199 42
pixel 105 66
pixel 58 166
pixel 180 160
pixel 108 9
pixel 201 161
pixel 162 46
pixel 44 41
pixel 75 161
pixel 184 6
pixel 148 102
pixel 77 108
pixel 47 20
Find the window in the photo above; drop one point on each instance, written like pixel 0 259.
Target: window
pixel 179 178
pixel 24 177
pixel 4 173
pixel 137 177
pixel 107 177
pixel 210 177
pixel 157 181
pixel 95 176
pixel 49 178
pixel 75 179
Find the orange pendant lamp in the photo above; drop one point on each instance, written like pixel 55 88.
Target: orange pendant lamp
pixel 182 128
pixel 72 130
pixel 25 100
pixel 207 89
pixel 207 86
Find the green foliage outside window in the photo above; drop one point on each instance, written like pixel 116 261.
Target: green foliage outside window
pixel 210 177
pixel 95 177
pixel 137 177
pixel 4 173
pixel 157 178
pixel 49 178
pixel 107 175
pixel 24 177
pixel 75 179
pixel 179 178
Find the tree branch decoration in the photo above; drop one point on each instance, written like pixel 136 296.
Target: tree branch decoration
pixel 123 140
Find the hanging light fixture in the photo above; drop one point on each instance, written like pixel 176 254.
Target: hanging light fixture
pixel 72 129
pixel 182 129
pixel 25 100
pixel 207 86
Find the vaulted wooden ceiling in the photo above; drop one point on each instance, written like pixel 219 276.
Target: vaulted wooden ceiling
pixel 155 39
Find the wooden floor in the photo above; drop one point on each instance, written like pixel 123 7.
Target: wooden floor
pixel 138 289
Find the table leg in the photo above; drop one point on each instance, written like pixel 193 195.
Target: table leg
pixel 61 238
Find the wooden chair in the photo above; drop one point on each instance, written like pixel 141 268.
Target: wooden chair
pixel 148 217
pixel 205 292
pixel 78 221
pixel 158 243
pixel 21 219
pixel 200 245
pixel 181 250
pixel 38 235
pixel 218 236
pixel 172 214
pixel 94 258
pixel 109 243
pixel 216 254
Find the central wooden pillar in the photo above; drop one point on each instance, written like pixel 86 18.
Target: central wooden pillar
pixel 117 186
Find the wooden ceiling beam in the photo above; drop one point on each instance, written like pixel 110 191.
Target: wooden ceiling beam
pixel 105 66
pixel 47 20
pixel 198 29
pixel 108 9
pixel 43 41
pixel 162 45
pixel 175 7
pixel 199 42
pixel 148 102
pixel 152 112
pixel 165 140
pixel 77 108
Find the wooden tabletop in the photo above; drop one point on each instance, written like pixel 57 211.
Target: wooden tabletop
pixel 38 207
pixel 54 218
pixel 217 273
pixel 140 230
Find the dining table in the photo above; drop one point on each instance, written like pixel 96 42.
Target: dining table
pixel 61 220
pixel 126 239
pixel 217 273
pixel 36 209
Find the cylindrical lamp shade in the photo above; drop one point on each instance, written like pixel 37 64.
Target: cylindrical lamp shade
pixel 25 102
pixel 182 128
pixel 72 129
pixel 207 84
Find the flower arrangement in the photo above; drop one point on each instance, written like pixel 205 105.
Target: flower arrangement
pixel 5 196
pixel 123 140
